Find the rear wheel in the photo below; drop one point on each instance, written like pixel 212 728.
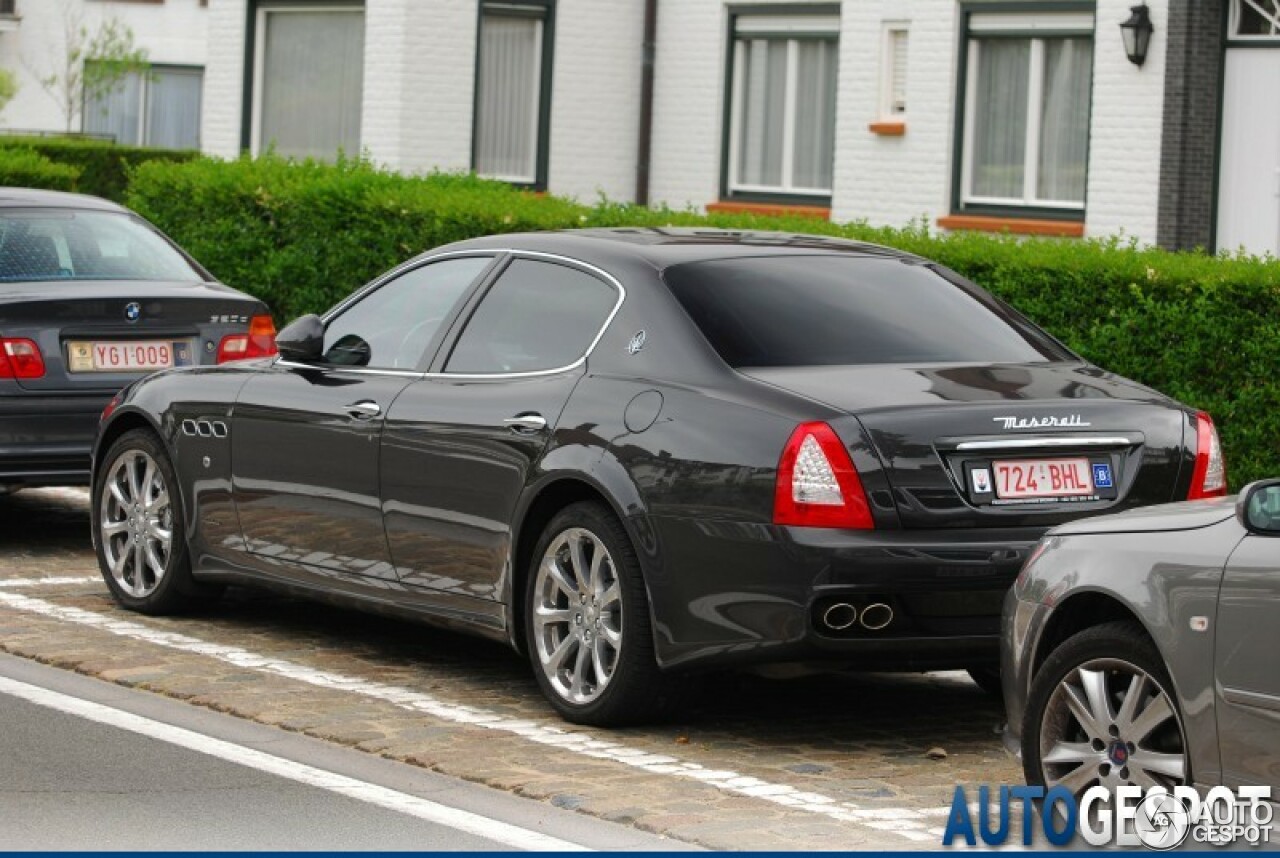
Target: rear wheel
pixel 1102 712
pixel 587 622
pixel 141 536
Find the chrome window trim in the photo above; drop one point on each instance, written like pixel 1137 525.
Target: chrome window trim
pixel 494 252
pixel 1060 441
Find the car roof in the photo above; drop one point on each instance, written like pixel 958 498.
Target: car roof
pixel 33 198
pixel 666 246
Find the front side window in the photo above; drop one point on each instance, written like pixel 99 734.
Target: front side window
pixel 64 244
pixel 538 316
pixel 1026 102
pixel 393 326
pixel 782 97
pixel 309 80
pixel 158 107
pixel 512 92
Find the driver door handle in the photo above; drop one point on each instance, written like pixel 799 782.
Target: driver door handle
pixel 365 409
pixel 527 422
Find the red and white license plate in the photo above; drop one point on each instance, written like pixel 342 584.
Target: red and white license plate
pixel 1043 478
pixel 131 356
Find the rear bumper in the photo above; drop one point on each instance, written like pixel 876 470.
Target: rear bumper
pixel 48 440
pixel 728 592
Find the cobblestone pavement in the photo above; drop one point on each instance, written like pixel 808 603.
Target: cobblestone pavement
pixel 833 762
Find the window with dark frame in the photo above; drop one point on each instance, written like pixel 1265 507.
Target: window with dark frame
pixel 159 107
pixel 1024 104
pixel 513 92
pixel 781 103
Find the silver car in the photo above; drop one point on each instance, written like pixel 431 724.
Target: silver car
pixel 1143 648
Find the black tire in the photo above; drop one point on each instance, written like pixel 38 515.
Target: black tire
pixel 637 690
pixel 175 591
pixel 988 679
pixel 1124 642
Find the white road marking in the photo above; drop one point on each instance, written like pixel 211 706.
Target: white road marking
pixel 910 824
pixel 411 805
pixel 48 582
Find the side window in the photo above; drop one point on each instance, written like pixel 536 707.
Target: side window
pixel 538 316
pixel 391 327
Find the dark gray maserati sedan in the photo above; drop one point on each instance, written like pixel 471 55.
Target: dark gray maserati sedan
pixel 633 453
pixel 92 297
pixel 1141 648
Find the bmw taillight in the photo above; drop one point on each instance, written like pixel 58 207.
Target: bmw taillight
pixel 1209 479
pixel 259 342
pixel 817 485
pixel 20 358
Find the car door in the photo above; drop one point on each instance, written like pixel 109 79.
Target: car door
pixel 305 437
pixel 459 445
pixel 1248 679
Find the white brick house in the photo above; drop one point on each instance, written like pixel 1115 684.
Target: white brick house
pixel 978 114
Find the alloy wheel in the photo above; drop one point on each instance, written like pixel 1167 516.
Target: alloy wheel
pixel 136 523
pixel 1110 723
pixel 577 615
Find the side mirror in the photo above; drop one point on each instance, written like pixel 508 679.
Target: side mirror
pixel 302 340
pixel 1259 507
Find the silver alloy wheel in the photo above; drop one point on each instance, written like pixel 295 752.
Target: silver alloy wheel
pixel 135 523
pixel 1111 723
pixel 577 615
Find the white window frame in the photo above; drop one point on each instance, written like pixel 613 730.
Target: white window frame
pixel 260 59
pixel 777 28
pixel 144 98
pixel 1055 25
pixel 888 78
pixel 535 84
pixel 1233 27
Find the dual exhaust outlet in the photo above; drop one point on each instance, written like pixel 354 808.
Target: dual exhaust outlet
pixel 843 615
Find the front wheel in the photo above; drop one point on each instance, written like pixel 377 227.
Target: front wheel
pixel 1102 712
pixel 587 622
pixel 140 531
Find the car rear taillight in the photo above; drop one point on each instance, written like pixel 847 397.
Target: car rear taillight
pixel 1209 479
pixel 20 359
pixel 817 484
pixel 259 342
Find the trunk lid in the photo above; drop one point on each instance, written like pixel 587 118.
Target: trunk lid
pixel 83 328
pixel 964 445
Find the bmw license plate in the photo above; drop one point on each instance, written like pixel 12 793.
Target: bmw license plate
pixel 1043 478
pixel 127 355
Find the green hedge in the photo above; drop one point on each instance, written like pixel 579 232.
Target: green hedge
pixel 23 168
pixel 1205 330
pixel 104 166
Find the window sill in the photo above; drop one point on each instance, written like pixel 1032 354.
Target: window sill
pixel 769 209
pixel 1015 225
pixel 888 128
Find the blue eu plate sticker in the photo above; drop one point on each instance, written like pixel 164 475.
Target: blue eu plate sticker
pixel 1102 476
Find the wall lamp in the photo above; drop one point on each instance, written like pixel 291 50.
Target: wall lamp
pixel 1137 34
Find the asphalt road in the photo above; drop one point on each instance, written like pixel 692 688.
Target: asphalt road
pixel 70 782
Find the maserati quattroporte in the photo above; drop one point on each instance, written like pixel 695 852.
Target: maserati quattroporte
pixel 635 453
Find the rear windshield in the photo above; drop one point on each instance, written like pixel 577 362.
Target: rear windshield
pixel 832 310
pixel 62 244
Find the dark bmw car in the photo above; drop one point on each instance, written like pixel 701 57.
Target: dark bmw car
pixel 634 453
pixel 93 297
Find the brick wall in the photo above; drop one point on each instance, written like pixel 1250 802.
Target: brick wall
pixel 224 79
pixel 1192 99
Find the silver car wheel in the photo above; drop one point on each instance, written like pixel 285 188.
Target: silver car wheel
pixel 577 615
pixel 1111 723
pixel 135 523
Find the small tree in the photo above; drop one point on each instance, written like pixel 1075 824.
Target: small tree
pixel 91 63
pixel 8 87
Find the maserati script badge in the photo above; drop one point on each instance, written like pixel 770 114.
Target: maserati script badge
pixel 1069 422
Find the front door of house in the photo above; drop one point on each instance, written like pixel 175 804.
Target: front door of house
pixel 1249 172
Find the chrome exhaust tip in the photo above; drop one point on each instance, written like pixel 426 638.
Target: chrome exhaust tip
pixel 876 616
pixel 840 616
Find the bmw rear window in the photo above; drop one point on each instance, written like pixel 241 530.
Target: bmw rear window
pixel 839 310
pixel 71 244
